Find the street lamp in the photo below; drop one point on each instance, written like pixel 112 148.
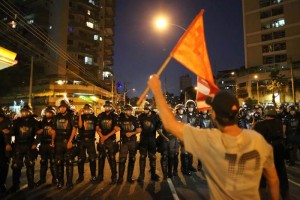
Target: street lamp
pixel 125 92
pixel 186 92
pixel 161 23
pixel 257 91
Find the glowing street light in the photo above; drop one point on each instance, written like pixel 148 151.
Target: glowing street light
pixel 161 23
pixel 257 91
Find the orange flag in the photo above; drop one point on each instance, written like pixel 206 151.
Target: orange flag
pixel 191 52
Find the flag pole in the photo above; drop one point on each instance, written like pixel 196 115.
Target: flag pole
pixel 161 69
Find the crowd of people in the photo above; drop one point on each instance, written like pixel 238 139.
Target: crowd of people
pixel 63 134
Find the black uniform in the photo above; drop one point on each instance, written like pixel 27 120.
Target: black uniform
pixel 47 151
pixel 162 143
pixel 107 122
pixel 63 126
pixel 4 163
pixel 86 144
pixel 129 145
pixel 272 130
pixel 150 123
pixel 293 136
pixel 24 130
pixel 194 120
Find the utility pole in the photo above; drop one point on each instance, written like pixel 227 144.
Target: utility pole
pixel 30 81
pixel 292 80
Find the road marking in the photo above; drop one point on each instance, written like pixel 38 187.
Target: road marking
pixel 295 183
pixel 172 188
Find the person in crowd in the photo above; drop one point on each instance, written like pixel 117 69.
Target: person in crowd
pixel 150 123
pixel 129 126
pixel 233 158
pixel 107 146
pixel 65 129
pixel 272 130
pixel 46 148
pixel 86 135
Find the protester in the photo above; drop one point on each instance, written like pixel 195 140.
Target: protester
pixel 233 158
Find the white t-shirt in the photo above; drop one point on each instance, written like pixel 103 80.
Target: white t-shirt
pixel 233 164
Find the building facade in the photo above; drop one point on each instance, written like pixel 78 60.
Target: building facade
pixel 70 45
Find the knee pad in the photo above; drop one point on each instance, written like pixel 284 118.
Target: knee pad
pixel 16 165
pixel 122 160
pixel 164 157
pixel 59 162
pixel 29 163
pixel 69 162
pixel 43 162
pixel 92 159
pixel 81 160
pixel 143 157
pixel 131 159
pixel 152 156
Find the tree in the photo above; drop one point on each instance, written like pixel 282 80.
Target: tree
pixel 276 84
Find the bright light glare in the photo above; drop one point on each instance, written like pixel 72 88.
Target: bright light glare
pixel 161 23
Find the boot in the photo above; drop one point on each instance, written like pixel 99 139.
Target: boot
pixel 69 170
pixel 175 164
pixel 53 170
pixel 101 164
pixel 3 175
pixel 154 176
pixel 164 166
pixel 113 168
pixel 30 177
pixel 142 170
pixel 60 176
pixel 16 181
pixel 80 172
pixel 191 168
pixel 185 165
pixel 93 170
pixel 43 172
pixel 121 173
pixel 170 166
pixel 130 171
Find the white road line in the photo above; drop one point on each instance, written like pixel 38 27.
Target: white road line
pixel 172 188
pixel 295 183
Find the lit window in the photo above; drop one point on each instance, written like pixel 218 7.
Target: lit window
pixel 88 60
pixel 50 27
pixel 89 12
pixel 90 24
pixel 100 38
pixel 30 21
pixel 96 37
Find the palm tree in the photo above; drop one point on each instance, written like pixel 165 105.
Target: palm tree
pixel 276 84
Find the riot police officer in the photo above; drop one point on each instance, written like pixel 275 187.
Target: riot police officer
pixel 150 123
pixel 184 156
pixel 293 134
pixel 5 145
pixel 272 130
pixel 65 128
pixel 27 136
pixel 129 126
pixel 47 145
pixel 106 129
pixel 193 120
pixel 87 129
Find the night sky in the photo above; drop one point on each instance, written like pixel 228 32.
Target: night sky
pixel 140 49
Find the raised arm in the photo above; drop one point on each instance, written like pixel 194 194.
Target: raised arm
pixel 166 116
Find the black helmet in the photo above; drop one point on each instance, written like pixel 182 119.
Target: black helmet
pixel 270 111
pixel 179 106
pixel 128 107
pixel 50 109
pixel 108 103
pixel 88 109
pixel 64 103
pixel 26 111
pixel 147 106
pixel 190 104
